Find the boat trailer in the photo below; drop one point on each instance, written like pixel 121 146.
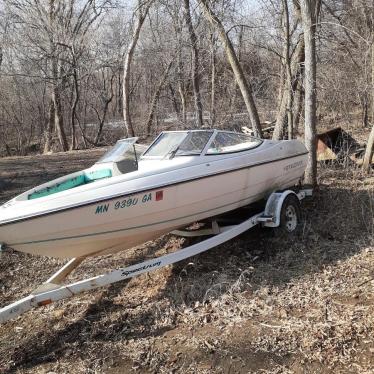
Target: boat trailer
pixel 53 289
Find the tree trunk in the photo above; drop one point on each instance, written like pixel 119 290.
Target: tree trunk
pixel 370 145
pixel 106 100
pixel 56 92
pixel 296 61
pixel 195 64
pixel 308 14
pixel 213 82
pixel 120 93
pixel 233 99
pixel 85 143
pixel 181 88
pixel 59 120
pixel 49 128
pixel 73 142
pixel 288 69
pixel 290 115
pixel 365 109
pixel 142 14
pixel 281 116
pixel 156 97
pixel 174 100
pixel 297 106
pixel 182 96
pixel 236 67
pixel 369 153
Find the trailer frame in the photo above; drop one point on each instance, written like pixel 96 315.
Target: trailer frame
pixel 53 289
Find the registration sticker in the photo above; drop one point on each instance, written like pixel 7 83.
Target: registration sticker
pixel 159 195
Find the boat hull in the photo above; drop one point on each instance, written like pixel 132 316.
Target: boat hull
pixel 126 221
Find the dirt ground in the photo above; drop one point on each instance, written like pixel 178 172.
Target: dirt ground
pixel 257 304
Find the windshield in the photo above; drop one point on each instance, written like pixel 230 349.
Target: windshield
pixel 227 142
pixel 194 143
pixel 183 143
pixel 119 151
pixel 165 143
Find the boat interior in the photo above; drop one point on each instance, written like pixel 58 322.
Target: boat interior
pixel 84 178
pixel 124 157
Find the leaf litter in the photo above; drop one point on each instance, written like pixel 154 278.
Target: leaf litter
pixel 257 304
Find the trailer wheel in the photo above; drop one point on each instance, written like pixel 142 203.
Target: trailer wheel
pixel 290 216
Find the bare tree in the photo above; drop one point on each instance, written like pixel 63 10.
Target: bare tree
pixel 213 51
pixel 105 98
pixel 55 69
pixel 241 80
pixel 297 104
pixel 289 85
pixel 156 97
pixel 370 144
pixel 309 14
pixel 141 14
pixel 291 59
pixel 369 153
pixel 179 94
pixel 4 24
pixel 195 63
pixel 49 128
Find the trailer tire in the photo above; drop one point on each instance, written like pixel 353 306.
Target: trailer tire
pixel 290 217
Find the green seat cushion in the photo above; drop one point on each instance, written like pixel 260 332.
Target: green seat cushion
pixel 71 183
pixel 97 174
pixel 63 186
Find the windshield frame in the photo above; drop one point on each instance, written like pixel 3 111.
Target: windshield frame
pixel 204 151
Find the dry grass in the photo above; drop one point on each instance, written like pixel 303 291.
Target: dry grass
pixel 256 304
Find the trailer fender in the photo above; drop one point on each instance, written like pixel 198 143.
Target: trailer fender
pixel 273 207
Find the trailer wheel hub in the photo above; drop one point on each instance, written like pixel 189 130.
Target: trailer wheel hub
pixel 291 218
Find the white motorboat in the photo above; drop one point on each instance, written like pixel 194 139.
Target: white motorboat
pixel 126 199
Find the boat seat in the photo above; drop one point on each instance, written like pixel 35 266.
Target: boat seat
pixel 97 174
pixel 63 186
pixel 79 180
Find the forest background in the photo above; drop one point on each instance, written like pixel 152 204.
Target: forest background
pixel 82 73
